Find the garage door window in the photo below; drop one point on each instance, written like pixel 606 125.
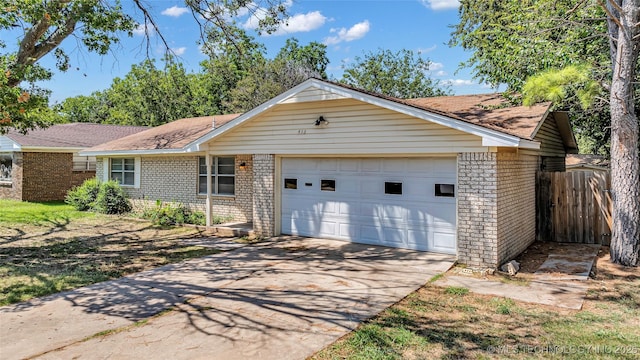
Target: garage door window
pixel 327 185
pixel 291 184
pixel 445 190
pixel 393 188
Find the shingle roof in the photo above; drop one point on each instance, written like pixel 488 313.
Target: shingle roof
pixel 576 160
pixel 173 135
pixel 491 111
pixel 75 135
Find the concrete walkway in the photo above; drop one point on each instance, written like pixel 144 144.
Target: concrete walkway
pixel 560 281
pixel 282 299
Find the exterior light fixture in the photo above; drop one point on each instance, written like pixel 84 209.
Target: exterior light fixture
pixel 321 121
pixel 243 166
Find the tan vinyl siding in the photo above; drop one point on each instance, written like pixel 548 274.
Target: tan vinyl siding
pixel 354 128
pixel 312 94
pixel 550 139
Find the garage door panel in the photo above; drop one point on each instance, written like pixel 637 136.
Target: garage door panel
pixel 360 211
pixel 443 241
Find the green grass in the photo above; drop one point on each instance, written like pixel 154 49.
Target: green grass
pixel 455 290
pixel 55 213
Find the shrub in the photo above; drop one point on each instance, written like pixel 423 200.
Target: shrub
pixel 83 197
pixel 173 214
pixel 111 199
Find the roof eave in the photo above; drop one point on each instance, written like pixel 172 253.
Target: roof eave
pixel 105 153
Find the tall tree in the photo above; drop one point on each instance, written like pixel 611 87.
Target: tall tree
pixel 42 26
pixel 402 74
pixel 548 34
pixel 587 43
pixel 312 55
pixel 623 19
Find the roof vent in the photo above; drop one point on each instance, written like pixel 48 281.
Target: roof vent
pixel 213 123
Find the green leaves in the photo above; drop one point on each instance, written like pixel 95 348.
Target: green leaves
pixel 558 85
pixel 402 74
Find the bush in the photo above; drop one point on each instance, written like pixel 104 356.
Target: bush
pixel 83 197
pixel 173 214
pixel 112 199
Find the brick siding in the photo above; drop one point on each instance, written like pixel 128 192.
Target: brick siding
pixel 264 195
pixel 13 190
pixel 516 204
pixel 477 209
pixel 175 179
pixel 496 207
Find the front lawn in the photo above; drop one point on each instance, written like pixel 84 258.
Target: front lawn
pixel 450 323
pixel 49 247
pixel 55 213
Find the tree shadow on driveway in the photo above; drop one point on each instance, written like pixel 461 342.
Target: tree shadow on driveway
pixel 265 291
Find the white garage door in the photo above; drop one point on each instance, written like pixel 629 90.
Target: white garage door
pixel 406 203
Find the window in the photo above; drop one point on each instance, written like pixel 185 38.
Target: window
pixel 393 188
pixel 223 175
pixel 84 163
pixel 327 185
pixel 6 162
pixel 123 171
pixel 291 184
pixel 446 190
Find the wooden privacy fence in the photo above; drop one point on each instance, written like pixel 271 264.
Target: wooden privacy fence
pixel 574 207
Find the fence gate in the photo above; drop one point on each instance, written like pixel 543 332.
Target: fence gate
pixel 574 207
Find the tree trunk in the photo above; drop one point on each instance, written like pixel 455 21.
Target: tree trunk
pixel 625 168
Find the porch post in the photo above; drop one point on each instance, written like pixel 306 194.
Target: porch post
pixel 208 204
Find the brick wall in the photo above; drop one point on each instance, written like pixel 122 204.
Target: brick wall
pixel 13 190
pixel 264 195
pixel 496 207
pixel 477 209
pixel 175 179
pixel 516 204
pixel 46 176
pixel 78 177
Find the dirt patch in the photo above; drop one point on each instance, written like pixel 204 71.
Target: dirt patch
pixel 37 260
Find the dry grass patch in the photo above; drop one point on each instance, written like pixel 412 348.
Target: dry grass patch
pixel 45 257
pixel 447 323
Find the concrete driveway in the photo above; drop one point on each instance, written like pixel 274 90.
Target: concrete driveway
pixel 282 299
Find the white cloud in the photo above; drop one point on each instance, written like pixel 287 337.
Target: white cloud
pixel 442 73
pixel 143 29
pixel 179 51
pixel 355 32
pixel 302 23
pixel 441 4
pixel 257 14
pixel 434 66
pixel 174 11
pixel 427 50
pixel 459 82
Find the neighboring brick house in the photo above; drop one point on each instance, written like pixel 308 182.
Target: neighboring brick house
pixel 43 164
pixel 452 174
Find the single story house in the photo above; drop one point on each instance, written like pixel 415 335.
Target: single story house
pixel 453 174
pixel 586 162
pixel 44 164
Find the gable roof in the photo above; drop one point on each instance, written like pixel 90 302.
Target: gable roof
pixel 70 136
pixel 170 137
pixel 487 116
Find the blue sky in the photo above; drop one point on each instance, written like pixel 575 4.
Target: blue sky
pixel 349 28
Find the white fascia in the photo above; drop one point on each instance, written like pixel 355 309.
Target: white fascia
pixel 134 152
